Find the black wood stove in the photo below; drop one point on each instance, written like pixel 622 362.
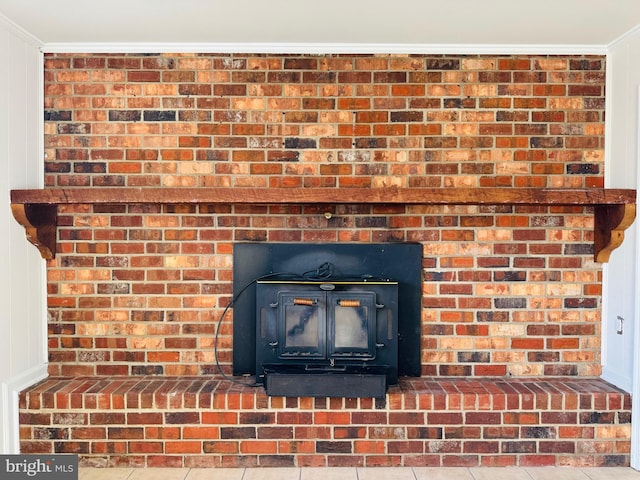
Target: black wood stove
pixel 327 320
pixel 327 338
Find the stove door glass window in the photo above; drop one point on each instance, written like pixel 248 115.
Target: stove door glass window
pixel 351 318
pixel 302 325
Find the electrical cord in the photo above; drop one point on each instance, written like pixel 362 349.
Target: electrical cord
pixel 223 314
pixel 323 272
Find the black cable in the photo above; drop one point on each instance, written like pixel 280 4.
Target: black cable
pixel 323 272
pixel 224 312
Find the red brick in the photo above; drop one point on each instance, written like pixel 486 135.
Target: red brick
pixel 527 343
pixel 143 76
pixel 408 90
pixel 406 418
pixel 369 447
pixel 537 460
pixel 524 418
pixel 144 418
pixel 484 418
pixel 460 461
pixel 221 447
pixel 332 418
pixel 88 433
pixel 183 447
pixel 146 447
pixel 162 433
pixel 482 447
pixel 259 447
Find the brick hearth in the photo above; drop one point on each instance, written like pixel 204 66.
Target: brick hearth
pixel 197 422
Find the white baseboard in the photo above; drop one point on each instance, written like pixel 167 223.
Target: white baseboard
pixel 620 381
pixel 9 410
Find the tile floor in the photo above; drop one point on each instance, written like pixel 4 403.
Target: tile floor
pixel 422 473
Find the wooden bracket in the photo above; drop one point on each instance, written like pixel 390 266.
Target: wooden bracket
pixel 610 222
pixel 40 224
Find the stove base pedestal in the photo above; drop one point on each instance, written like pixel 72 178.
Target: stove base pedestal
pixel 325 385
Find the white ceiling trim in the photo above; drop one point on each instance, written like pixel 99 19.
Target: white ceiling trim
pixel 326 48
pixel 624 36
pixel 20 32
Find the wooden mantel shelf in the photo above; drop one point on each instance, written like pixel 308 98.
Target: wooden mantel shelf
pixel 614 209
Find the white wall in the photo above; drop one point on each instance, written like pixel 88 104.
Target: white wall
pixel 620 365
pixel 623 82
pixel 23 353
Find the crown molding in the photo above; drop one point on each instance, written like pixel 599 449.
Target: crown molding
pixel 20 32
pixel 326 48
pixel 625 36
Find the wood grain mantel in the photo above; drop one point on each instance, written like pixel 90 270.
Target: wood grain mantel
pixel 614 209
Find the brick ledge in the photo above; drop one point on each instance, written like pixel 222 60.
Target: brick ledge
pixel 211 422
pixel 425 393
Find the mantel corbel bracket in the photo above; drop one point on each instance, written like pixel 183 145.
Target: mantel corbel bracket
pixel 40 225
pixel 610 222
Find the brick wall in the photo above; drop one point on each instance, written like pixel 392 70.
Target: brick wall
pixel 508 291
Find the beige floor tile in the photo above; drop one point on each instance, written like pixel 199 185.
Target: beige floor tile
pixel 380 473
pixel 386 473
pixel 332 473
pixel 499 473
pixel 271 473
pixel 159 474
pixel 442 473
pixel 556 473
pixel 611 473
pixel 104 473
pixel 215 474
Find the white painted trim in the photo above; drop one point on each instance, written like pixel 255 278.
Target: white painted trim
pixel 609 373
pixel 10 391
pixel 608 106
pixel 325 48
pixel 611 376
pixel 40 151
pixel 625 36
pixel 20 32
pixel 635 391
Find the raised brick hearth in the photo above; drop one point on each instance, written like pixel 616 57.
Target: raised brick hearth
pixel 510 320
pixel 197 422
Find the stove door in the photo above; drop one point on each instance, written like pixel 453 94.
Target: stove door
pixel 302 325
pixel 351 318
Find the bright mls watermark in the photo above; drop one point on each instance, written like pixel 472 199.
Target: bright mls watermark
pixel 38 467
